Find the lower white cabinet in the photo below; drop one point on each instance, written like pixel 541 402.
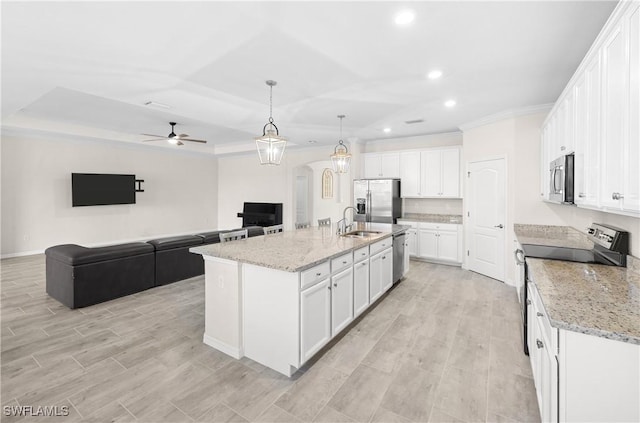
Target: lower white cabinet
pixel 360 287
pixel 386 278
pixel 341 300
pixel 412 240
pixel 581 377
pixel 405 257
pixel 315 318
pixel 439 242
pixel 375 277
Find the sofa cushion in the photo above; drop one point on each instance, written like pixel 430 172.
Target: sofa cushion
pixel 212 237
pixel 74 255
pixel 175 242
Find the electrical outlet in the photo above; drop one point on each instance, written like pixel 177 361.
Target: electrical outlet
pixel 26 237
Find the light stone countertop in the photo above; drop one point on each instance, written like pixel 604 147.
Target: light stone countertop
pixel 590 298
pixel 554 236
pixel 433 218
pixel 297 250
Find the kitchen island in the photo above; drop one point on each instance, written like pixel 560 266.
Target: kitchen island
pixel 278 299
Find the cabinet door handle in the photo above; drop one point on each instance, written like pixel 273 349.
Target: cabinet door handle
pixel 318 274
pixel 528 302
pixel 384 257
pixel 563 148
pixel 335 284
pixel 539 343
pixel 329 287
pixel 344 262
pixel 362 264
pixel 539 314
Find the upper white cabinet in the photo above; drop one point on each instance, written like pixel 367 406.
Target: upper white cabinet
pixel 382 165
pixel 410 174
pixel 430 173
pixel 598 117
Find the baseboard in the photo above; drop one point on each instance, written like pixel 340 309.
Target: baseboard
pixel 21 254
pixel 234 352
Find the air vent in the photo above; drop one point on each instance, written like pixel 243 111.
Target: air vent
pixel 156 104
pixel 411 122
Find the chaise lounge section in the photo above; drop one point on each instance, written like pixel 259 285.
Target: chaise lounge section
pixel 79 276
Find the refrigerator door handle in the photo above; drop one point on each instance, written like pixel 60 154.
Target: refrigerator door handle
pixel 368 214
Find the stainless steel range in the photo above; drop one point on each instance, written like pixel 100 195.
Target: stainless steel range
pixel 610 247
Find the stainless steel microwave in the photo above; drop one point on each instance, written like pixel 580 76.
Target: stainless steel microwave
pixel 561 180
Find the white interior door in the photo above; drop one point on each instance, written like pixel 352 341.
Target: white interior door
pixel 486 218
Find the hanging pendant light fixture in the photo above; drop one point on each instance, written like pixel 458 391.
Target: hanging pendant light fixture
pixel 270 145
pixel 341 158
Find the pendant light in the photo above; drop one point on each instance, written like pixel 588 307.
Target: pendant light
pixel 270 145
pixel 341 158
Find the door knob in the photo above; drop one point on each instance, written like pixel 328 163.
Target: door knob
pixel 499 226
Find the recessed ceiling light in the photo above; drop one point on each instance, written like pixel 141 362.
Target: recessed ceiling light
pixel 450 103
pixel 405 17
pixel 387 130
pixel 434 74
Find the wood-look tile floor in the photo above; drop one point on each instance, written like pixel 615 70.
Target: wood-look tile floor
pixel 443 345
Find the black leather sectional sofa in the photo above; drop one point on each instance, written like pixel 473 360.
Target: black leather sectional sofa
pixel 79 276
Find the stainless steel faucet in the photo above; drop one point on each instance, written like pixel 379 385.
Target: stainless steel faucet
pixel 342 224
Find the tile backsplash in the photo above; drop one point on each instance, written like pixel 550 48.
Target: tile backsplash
pixel 432 205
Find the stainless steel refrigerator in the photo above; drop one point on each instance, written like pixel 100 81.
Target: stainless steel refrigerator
pixel 377 200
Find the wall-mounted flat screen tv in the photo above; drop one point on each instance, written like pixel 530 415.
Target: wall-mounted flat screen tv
pixel 99 189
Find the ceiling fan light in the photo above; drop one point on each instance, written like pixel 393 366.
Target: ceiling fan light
pixel 270 147
pixel 173 140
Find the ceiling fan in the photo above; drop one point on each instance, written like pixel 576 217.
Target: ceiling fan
pixel 172 138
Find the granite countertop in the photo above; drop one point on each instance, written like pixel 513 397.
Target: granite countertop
pixel 433 218
pixel 554 236
pixel 590 298
pixel 297 250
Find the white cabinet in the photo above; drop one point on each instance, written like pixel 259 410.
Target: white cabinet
pixel 598 115
pixel 360 286
pixel 315 318
pixel 375 277
pixel 440 173
pixel 382 165
pixel 386 269
pixel 341 300
pixel 587 135
pixel 439 241
pixel 412 241
pixel 410 174
pixel 542 354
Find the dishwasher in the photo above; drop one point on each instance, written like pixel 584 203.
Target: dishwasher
pixel 398 256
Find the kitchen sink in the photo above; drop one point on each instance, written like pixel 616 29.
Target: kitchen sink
pixel 361 234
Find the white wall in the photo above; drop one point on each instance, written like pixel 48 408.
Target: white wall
pixel 180 193
pixel 242 178
pixel 518 140
pixel 415 142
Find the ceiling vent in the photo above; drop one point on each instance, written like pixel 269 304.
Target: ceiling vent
pixel 156 104
pixel 411 122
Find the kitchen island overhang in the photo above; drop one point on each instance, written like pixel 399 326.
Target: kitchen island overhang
pixel 278 299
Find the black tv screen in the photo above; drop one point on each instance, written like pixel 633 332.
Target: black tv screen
pixel 99 189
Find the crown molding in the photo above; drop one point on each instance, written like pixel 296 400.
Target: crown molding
pixel 507 114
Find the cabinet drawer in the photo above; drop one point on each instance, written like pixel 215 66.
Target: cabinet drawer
pixel 380 245
pixel 342 262
pixel 315 274
pixel 547 332
pixel 439 226
pixel 361 254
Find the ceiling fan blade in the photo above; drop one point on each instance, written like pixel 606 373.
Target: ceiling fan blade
pixel 192 140
pixel 156 139
pixel 154 135
pixel 179 143
pixel 183 136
